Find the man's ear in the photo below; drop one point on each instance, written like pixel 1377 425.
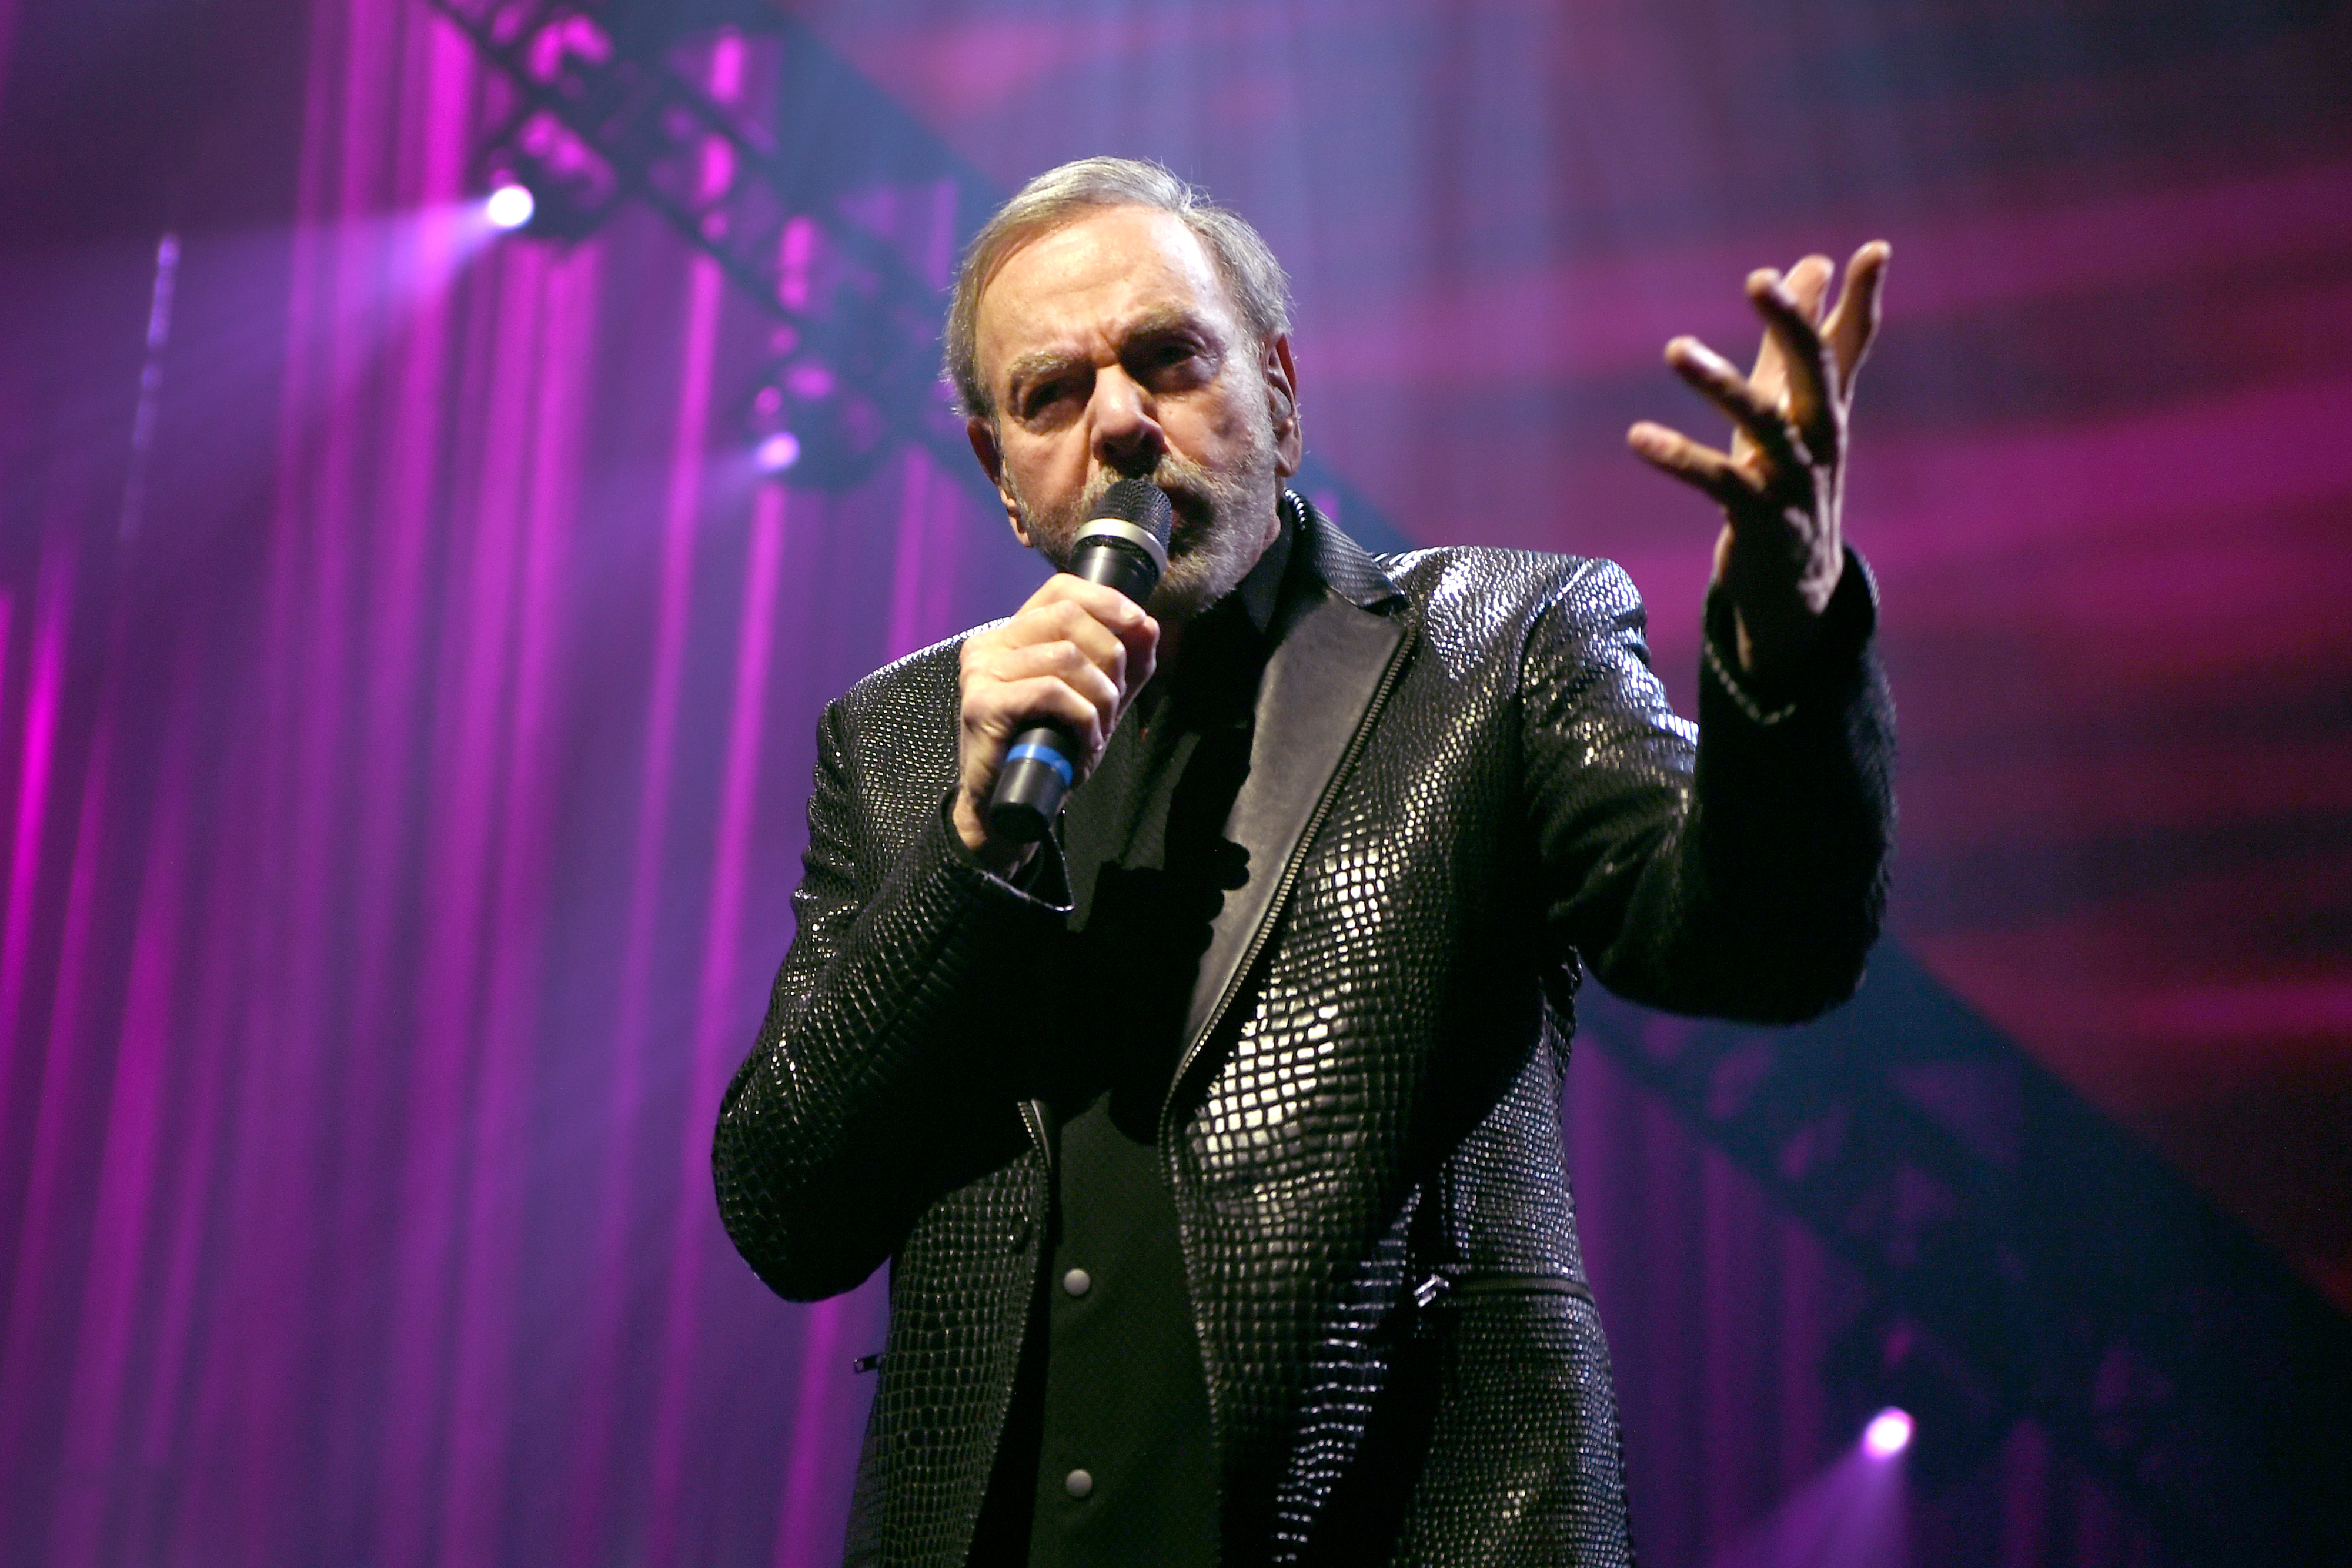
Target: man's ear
pixel 982 433
pixel 1282 403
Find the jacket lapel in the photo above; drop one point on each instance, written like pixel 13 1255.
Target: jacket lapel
pixel 1322 688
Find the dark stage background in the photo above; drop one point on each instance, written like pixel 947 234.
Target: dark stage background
pixel 407 683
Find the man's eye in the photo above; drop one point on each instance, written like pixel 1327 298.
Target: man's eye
pixel 1171 363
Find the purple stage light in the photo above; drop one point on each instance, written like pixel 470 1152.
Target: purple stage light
pixel 777 452
pixel 509 206
pixel 810 382
pixel 1888 1433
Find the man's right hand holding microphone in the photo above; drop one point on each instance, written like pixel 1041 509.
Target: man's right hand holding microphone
pixel 1070 661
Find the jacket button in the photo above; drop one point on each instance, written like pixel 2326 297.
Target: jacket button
pixel 1078 1483
pixel 1078 1281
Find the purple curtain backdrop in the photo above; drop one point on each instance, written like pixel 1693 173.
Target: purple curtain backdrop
pixel 408 687
pixel 404 809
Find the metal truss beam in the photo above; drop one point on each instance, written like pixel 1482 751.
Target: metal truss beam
pixel 616 102
pixel 2030 1259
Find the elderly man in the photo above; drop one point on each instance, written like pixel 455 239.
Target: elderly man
pixel 1214 1142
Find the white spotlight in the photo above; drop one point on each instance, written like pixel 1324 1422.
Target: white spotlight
pixel 777 452
pixel 509 206
pixel 1888 1433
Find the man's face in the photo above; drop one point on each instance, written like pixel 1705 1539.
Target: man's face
pixel 1111 351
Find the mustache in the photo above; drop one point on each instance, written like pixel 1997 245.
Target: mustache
pixel 1181 480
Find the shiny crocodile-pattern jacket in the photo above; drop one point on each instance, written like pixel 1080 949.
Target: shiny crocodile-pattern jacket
pixel 1466 785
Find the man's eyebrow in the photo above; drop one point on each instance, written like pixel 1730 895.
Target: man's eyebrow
pixel 1037 364
pixel 1167 318
pixel 1040 364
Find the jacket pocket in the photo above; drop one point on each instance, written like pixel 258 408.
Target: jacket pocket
pixel 1442 1288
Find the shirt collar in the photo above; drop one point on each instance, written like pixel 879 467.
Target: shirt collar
pixel 1261 591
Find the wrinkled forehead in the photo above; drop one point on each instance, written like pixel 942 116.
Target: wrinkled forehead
pixel 1109 268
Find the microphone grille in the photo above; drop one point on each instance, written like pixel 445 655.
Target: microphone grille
pixel 1142 503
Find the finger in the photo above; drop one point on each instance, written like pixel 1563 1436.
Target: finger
pixel 994 661
pixel 1808 282
pixel 1702 467
pixel 1068 620
pixel 1000 710
pixel 1801 351
pixel 1756 414
pixel 1073 624
pixel 1143 654
pixel 1769 375
pixel 1069 606
pixel 1107 605
pixel 1064 661
pixel 1853 326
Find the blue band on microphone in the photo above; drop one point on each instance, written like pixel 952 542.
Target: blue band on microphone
pixel 1046 755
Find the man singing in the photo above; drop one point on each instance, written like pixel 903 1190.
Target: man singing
pixel 1214 1141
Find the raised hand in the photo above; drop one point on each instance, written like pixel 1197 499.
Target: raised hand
pixel 1074 655
pixel 1781 485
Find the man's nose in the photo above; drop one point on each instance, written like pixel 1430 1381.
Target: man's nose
pixel 1128 439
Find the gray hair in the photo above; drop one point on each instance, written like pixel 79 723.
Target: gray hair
pixel 1058 197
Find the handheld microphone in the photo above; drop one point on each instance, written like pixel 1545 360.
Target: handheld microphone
pixel 1123 545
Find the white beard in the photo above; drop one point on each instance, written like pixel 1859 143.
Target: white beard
pixel 1221 529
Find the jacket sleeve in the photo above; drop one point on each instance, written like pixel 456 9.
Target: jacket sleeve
pixel 1744 875
pixel 881 1076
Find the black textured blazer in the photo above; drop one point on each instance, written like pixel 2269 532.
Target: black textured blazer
pixel 1466 785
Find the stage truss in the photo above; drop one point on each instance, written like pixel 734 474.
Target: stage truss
pixel 674 108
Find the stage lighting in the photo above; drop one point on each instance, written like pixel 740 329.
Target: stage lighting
pixel 543 178
pixel 834 432
pixel 1950 1413
pixel 777 452
pixel 1888 1433
pixel 509 206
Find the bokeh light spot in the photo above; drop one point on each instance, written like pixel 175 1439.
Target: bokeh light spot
pixel 1888 1433
pixel 509 206
pixel 777 452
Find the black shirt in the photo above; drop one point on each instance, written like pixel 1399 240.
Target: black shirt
pixel 1110 1438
